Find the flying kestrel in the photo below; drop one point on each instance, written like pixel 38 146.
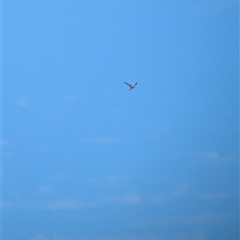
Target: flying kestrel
pixel 130 85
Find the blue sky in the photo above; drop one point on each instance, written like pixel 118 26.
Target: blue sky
pixel 83 158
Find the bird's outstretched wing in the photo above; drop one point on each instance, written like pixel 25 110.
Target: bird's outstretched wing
pixel 130 85
pixel 135 84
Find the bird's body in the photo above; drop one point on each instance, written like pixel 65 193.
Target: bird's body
pixel 130 85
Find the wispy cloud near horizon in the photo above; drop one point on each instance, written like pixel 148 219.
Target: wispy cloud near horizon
pixel 123 199
pixel 66 204
pixel 211 157
pixel 22 103
pixel 101 140
pixel 200 218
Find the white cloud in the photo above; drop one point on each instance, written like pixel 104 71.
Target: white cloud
pixel 108 182
pixel 215 196
pixel 158 198
pixel 5 143
pixel 71 97
pixel 39 237
pixel 22 103
pixel 212 157
pixel 43 204
pixel 216 157
pixel 57 237
pixel 101 140
pixel 116 237
pixel 199 218
pixel 180 191
pixel 179 236
pixel 46 190
pixel 190 236
pixel 137 225
pixel 64 205
pixel 123 199
pixel 7 205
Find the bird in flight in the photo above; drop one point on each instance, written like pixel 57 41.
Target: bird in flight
pixel 130 85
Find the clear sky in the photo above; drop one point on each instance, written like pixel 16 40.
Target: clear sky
pixel 83 158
